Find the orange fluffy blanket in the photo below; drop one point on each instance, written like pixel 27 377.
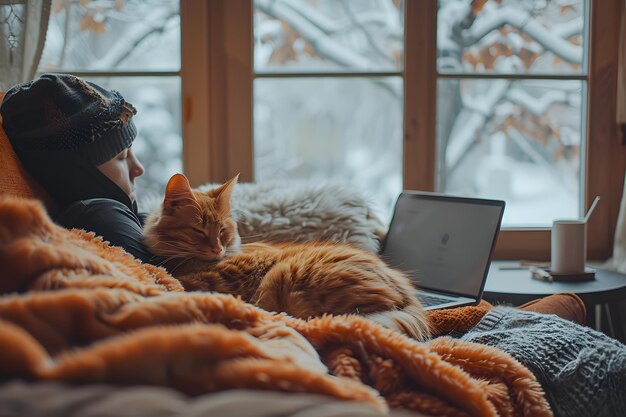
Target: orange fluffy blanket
pixel 75 309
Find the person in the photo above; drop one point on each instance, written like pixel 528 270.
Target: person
pixel 75 139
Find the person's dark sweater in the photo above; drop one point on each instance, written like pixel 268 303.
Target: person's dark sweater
pixel 89 200
pixel 111 219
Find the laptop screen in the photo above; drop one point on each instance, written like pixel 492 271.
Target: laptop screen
pixel 444 243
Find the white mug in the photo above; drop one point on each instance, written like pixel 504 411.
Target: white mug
pixel 569 246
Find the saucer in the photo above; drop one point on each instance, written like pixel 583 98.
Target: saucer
pixel 545 274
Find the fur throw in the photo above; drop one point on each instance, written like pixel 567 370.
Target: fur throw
pixel 300 212
pixel 75 309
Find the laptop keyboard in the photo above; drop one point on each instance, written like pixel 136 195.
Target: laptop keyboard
pixel 431 300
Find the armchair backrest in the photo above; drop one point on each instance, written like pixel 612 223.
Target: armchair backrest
pixel 13 178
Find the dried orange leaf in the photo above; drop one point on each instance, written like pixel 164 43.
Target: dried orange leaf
pixel 86 23
pixel 99 27
pixel 575 40
pixel 477 6
pixel 58 5
pixel 504 30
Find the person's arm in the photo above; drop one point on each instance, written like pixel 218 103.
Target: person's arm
pixel 112 220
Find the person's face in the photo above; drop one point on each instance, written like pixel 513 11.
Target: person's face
pixel 122 170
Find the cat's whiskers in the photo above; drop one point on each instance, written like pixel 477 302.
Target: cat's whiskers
pixel 165 242
pixel 175 251
pixel 164 261
pixel 178 264
pixel 232 251
pixel 177 256
pixel 252 236
pixel 168 249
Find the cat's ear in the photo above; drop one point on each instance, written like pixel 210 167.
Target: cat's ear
pixel 223 194
pixel 178 193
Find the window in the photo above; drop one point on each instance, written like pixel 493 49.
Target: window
pixel 511 84
pixel 132 46
pixel 505 99
pixel 328 94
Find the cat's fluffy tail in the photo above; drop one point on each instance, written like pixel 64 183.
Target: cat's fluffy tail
pixel 412 320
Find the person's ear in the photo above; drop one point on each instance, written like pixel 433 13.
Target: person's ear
pixel 178 193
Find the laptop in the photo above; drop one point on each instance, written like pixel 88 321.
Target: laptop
pixel 444 244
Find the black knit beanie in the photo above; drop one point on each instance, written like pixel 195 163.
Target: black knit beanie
pixel 62 128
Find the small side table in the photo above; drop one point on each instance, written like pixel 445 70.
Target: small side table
pixel 515 286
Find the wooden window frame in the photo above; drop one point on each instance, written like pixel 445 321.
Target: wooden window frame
pixel 217 87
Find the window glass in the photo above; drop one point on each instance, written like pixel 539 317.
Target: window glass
pixel 520 141
pixel 112 35
pixel 331 129
pixel 511 36
pixel 511 96
pixel 328 35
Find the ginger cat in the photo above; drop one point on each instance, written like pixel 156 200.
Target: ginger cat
pixel 197 235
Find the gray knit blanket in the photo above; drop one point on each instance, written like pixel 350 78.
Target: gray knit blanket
pixel 582 371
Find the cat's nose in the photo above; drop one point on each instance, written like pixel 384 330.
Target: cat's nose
pixel 216 251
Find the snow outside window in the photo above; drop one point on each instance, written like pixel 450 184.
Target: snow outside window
pixel 511 92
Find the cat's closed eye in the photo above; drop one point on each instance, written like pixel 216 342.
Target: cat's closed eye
pixel 198 231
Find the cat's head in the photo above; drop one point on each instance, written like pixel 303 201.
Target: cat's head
pixel 193 224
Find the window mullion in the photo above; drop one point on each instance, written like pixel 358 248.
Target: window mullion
pixel 217 76
pixel 420 86
pixel 238 78
pixel 195 92
pixel 605 153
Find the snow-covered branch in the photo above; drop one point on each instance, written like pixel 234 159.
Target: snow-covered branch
pixel 552 40
pixel 153 22
pixel 465 133
pixel 537 105
pixel 332 26
pixel 568 29
pixel 366 33
pixel 323 44
pixel 476 113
